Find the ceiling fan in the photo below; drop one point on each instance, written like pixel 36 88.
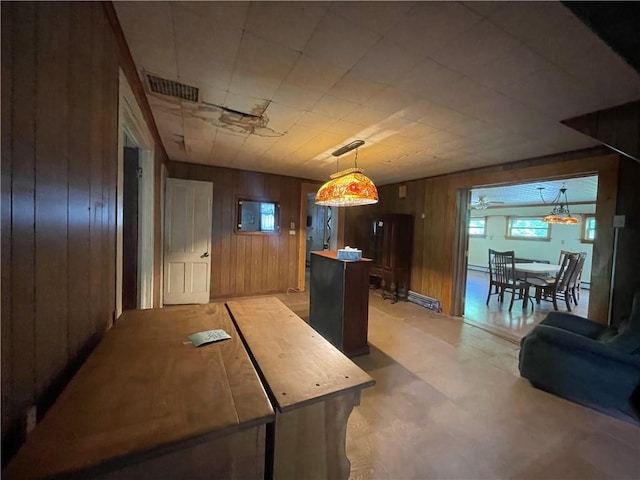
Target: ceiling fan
pixel 483 203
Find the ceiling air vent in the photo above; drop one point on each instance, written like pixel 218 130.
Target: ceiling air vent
pixel 172 88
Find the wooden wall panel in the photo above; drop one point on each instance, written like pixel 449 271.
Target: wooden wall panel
pixel 248 264
pixel 51 192
pixel 435 239
pixel 79 179
pixel 22 259
pixel 6 30
pixel 59 143
pixel 627 280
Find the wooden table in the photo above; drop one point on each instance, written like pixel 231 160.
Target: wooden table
pixel 146 404
pixel 313 387
pixel 537 269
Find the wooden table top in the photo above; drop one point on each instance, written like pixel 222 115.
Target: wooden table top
pixel 334 255
pixel 298 364
pixel 146 387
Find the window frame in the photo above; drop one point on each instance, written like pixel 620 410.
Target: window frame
pixel 257 217
pixel 586 217
pixel 484 228
pixel 508 233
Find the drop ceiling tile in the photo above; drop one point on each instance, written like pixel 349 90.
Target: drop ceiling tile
pixel 335 107
pixel 264 59
pixel 392 100
pixel 511 67
pixel 480 44
pixel 483 8
pixel 297 97
pixel 149 30
pixel 553 92
pixel 438 116
pixel 344 127
pixel 376 16
pixel 314 120
pixel 296 21
pixel 427 78
pixel 193 37
pixel 246 104
pixel 229 13
pixel 429 26
pixel 314 74
pixel 529 20
pixel 211 94
pixel 563 43
pixel 340 41
pixel 366 116
pixel 282 117
pixel 197 150
pixel 246 85
pixel 355 88
pixel 386 62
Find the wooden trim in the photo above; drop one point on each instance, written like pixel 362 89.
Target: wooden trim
pixel 305 189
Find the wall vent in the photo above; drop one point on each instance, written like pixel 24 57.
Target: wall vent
pixel 172 88
pixel 424 301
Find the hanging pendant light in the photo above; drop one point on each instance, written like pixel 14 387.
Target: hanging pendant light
pixel 349 187
pixel 560 213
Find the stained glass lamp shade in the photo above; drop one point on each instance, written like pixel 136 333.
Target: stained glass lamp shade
pixel 346 189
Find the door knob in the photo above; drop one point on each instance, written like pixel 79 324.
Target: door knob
pixel 204 255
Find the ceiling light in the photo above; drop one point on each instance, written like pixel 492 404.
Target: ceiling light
pixel 560 212
pixel 349 187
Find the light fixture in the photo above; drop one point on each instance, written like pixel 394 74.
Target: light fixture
pixel 560 212
pixel 349 187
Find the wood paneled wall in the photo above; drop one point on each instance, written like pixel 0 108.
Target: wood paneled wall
pixel 248 264
pixel 627 280
pixel 434 243
pixel 59 167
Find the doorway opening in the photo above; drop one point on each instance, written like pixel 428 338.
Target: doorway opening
pixel 508 217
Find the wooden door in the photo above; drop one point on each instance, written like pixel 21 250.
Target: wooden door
pixel 187 260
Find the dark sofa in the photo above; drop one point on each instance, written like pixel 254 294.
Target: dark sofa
pixel 587 362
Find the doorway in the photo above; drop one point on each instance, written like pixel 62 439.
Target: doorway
pixel 130 228
pixel 493 216
pixel 320 229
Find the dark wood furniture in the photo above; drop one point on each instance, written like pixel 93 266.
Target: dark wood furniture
pixel 313 388
pixel 147 404
pixel 502 277
pixel 339 301
pixel 390 251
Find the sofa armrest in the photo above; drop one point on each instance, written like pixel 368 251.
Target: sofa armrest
pixel 571 340
pixel 574 323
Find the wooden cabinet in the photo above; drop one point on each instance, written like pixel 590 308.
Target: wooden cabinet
pixel 339 301
pixel 390 243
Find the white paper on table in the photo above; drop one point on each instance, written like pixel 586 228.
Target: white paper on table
pixel 208 336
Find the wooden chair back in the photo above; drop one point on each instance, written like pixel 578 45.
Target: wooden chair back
pixel 502 267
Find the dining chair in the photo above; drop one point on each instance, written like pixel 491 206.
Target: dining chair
pixel 501 276
pixel 560 286
pixel 575 289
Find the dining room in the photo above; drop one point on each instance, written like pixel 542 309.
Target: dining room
pixel 512 218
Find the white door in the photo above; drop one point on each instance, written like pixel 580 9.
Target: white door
pixel 187 241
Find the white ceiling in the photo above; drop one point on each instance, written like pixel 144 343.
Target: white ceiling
pixel 432 87
pixel 579 189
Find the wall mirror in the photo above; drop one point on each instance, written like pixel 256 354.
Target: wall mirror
pixel 258 216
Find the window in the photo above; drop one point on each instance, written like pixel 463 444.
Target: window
pixel 255 216
pixel 589 229
pixel 478 227
pixel 268 217
pixel 528 228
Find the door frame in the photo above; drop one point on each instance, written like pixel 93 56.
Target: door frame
pixel 131 123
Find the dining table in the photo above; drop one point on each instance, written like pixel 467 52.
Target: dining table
pixel 534 269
